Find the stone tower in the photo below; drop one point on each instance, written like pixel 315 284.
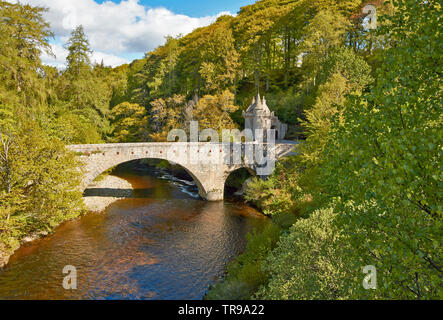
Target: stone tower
pixel 258 116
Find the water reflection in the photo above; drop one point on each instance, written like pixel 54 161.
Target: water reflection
pixel 163 243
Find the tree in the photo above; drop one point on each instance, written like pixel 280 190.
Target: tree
pixel 388 169
pixel 164 80
pixel 342 73
pixel 220 60
pixel 253 29
pixel 79 85
pixel 83 89
pixel 308 263
pixel 79 51
pixel 130 122
pixel 7 137
pixel 381 182
pixel 40 189
pixel 213 112
pixel 23 38
pixel 323 33
pixel 167 115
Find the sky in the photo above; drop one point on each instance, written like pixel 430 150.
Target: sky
pixel 120 31
pixel 195 8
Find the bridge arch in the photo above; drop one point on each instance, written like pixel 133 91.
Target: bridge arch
pixel 90 175
pixel 236 179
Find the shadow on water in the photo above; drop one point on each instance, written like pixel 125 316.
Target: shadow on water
pixel 119 193
pixel 162 242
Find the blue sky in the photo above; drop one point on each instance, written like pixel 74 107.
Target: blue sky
pixel 120 31
pixel 195 8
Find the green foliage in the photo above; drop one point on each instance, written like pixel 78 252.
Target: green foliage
pixel 258 49
pixel 324 32
pixel 38 177
pixel 344 73
pixel 220 60
pixel 367 181
pixel 213 112
pixel 23 37
pixel 308 263
pixel 289 189
pixel 288 106
pixel 164 80
pixel 130 123
pixel 175 113
pixel 168 114
pixel 38 185
pixel 280 193
pixel 78 47
pixel 86 93
pixel 74 128
pixel 385 162
pixel 381 173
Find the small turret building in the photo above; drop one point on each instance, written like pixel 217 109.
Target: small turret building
pixel 258 116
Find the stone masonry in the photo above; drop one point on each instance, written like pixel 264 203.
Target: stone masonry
pixel 208 163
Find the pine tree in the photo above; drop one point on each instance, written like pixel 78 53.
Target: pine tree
pixel 79 51
pixel 83 90
pixel 24 36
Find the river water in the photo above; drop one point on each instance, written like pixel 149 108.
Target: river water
pixel 163 243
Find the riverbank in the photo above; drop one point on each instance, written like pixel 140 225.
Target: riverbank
pixel 106 191
pixel 6 254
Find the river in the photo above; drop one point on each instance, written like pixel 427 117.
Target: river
pixel 162 243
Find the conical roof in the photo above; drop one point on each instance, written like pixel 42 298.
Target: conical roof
pixel 257 104
pixel 265 106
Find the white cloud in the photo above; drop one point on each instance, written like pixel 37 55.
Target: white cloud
pixel 115 29
pixel 59 59
pixel 108 59
pixel 61 53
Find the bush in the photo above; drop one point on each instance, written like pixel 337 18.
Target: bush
pixel 280 193
pixel 309 262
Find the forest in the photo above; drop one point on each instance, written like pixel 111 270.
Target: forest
pixel 366 187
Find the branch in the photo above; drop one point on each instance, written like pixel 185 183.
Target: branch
pixel 418 285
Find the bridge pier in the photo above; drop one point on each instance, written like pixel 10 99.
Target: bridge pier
pixel 213 195
pixel 210 180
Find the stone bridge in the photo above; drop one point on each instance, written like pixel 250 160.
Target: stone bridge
pixel 209 164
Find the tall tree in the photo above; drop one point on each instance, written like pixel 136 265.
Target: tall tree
pixel 83 88
pixel 79 51
pixel 24 37
pixel 219 58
